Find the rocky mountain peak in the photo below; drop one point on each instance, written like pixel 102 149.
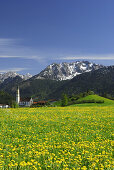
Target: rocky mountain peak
pixel 11 74
pixel 66 71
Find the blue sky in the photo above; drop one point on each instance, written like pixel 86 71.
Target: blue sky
pixel 36 33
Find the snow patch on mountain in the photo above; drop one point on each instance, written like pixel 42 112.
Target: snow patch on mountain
pixel 66 71
pixel 11 74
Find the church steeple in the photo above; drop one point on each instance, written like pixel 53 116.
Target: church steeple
pixel 18 95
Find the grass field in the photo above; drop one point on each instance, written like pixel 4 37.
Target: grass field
pixel 56 138
pixel 97 98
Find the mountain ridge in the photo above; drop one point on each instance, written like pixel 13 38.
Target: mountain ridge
pixel 55 71
pixel 66 71
pixel 11 74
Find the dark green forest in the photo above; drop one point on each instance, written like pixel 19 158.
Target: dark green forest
pixel 6 98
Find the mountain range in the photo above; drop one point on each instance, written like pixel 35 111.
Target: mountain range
pixel 62 71
pixel 69 78
pixel 11 74
pixel 66 71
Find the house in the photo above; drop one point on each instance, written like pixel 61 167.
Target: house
pixel 4 106
pixel 26 102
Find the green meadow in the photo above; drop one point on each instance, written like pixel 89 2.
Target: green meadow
pixel 96 99
pixel 57 138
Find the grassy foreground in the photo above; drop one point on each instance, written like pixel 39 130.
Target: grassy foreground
pixel 56 138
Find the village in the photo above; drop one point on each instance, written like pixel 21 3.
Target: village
pixel 25 102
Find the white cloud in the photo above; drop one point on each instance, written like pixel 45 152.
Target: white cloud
pixel 6 41
pixel 11 48
pixel 12 69
pixel 7 56
pixel 26 57
pixel 89 57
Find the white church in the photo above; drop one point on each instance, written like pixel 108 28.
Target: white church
pixel 25 102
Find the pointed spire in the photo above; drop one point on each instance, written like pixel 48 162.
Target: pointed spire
pixel 18 95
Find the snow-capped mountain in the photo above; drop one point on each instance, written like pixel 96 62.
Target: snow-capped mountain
pixel 26 76
pixel 10 74
pixel 66 71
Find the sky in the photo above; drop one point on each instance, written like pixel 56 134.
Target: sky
pixel 36 33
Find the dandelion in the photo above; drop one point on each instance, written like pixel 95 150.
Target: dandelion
pixel 46 138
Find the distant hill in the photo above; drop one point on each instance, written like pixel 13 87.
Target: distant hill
pixel 38 88
pixel 10 83
pixel 97 99
pixel 10 80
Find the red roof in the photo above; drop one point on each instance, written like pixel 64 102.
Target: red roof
pixel 40 102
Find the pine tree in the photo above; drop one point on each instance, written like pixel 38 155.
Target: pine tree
pixel 64 100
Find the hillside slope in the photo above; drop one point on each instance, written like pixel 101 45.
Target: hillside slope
pixel 100 81
pixel 38 88
pixel 97 99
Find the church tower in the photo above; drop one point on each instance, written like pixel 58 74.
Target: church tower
pixel 18 95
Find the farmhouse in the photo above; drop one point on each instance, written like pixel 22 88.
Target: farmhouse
pixel 26 102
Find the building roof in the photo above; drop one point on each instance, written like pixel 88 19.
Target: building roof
pixel 40 102
pixel 25 99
